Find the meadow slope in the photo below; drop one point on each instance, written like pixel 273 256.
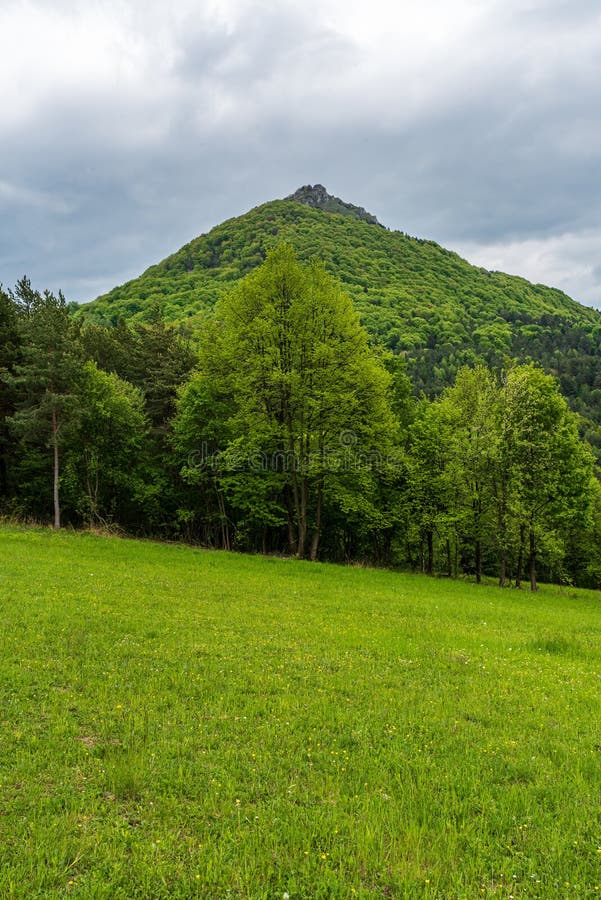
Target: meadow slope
pixel 182 723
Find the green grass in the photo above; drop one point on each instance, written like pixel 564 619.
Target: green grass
pixel 181 723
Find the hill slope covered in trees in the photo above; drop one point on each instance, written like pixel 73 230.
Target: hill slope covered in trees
pixel 414 297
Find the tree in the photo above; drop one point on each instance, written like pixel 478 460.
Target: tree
pixel 157 360
pixel 550 470
pixel 201 431
pixel 9 355
pixel 45 379
pixel 308 397
pixel 430 489
pixel 470 414
pixel 104 443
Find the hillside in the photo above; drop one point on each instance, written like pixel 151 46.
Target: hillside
pixel 190 724
pixel 414 297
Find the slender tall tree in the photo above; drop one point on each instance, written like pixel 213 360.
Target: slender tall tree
pixel 45 381
pixel 550 467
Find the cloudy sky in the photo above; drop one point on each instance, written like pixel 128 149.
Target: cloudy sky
pixel 127 128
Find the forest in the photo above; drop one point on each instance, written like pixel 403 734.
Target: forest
pixel 281 428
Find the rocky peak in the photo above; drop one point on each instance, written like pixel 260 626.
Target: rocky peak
pixel 315 195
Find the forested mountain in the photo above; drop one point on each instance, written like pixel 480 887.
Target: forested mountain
pixel 414 297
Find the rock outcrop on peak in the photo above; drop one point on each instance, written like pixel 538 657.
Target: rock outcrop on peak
pixel 316 196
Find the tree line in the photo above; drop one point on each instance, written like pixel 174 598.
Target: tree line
pixel 281 429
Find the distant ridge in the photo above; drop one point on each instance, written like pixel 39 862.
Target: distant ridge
pixel 316 196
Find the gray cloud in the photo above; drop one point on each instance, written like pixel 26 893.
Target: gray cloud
pixel 481 133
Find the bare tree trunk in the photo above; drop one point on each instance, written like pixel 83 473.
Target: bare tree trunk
pixel 449 562
pixel 518 574
pixel 478 554
pixel 317 531
pixel 225 529
pixel 302 522
pixel 430 563
pixel 478 542
pixel 532 562
pixel 57 509
pixel 298 542
pixel 501 536
pixel 291 535
pixel 290 522
pixel 387 547
pixel 503 570
pixel 3 476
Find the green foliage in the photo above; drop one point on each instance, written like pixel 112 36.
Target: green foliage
pixel 9 355
pixel 293 435
pixel 287 351
pixel 155 359
pixel 43 379
pixel 105 446
pixel 414 297
pixel 497 467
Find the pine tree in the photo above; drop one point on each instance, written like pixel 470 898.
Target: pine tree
pixel 45 379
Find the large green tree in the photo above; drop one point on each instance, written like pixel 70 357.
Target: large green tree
pixel 104 446
pixel 549 469
pixel 469 412
pixel 309 404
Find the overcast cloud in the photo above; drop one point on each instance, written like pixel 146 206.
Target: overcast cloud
pixel 127 128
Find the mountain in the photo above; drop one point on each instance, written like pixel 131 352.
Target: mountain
pixel 414 297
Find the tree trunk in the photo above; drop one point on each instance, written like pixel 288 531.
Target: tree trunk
pixel 297 490
pixel 317 531
pixel 518 574
pixel 430 563
pixel 478 553
pixel 302 522
pixel 57 509
pixel 478 542
pixel 291 536
pixel 502 537
pixel 532 562
pixel 225 530
pixel 449 560
pixel 290 523
pixel 387 547
pixel 3 476
pixel 503 570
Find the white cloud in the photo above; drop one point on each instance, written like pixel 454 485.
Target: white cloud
pixel 568 261
pixel 472 123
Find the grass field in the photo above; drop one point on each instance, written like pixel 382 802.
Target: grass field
pixel 181 723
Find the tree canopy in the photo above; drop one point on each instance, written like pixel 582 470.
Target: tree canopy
pixel 282 428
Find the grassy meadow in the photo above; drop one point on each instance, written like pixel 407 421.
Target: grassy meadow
pixel 178 723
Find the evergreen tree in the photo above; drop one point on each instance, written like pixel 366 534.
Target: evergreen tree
pixel 45 381
pixel 9 354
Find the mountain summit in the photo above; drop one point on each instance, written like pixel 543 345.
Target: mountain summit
pixel 415 298
pixel 316 196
